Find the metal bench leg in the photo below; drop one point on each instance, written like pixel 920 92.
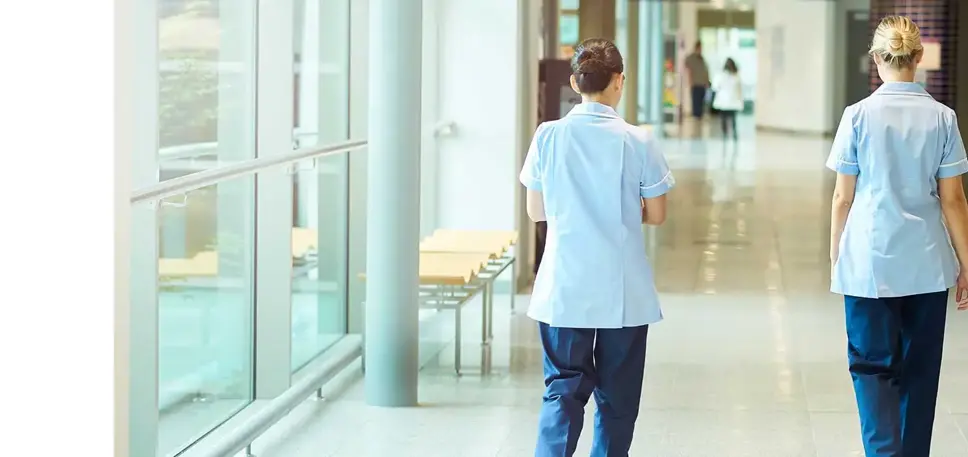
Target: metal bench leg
pixel 489 304
pixel 457 339
pixel 485 312
pixel 514 281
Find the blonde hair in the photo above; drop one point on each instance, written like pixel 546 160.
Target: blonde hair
pixel 897 41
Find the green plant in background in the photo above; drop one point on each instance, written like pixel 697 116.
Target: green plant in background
pixel 187 98
pixel 188 78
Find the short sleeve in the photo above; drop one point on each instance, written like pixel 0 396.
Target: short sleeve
pixel 843 152
pixel 531 172
pixel 953 160
pixel 657 179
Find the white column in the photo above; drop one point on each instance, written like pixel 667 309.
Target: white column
pixel 393 217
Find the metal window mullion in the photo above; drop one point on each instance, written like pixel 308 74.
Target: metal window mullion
pixel 138 94
pixel 358 127
pixel 274 197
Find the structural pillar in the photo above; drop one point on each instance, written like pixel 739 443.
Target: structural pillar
pixel 596 19
pixel 656 31
pixel 551 43
pixel 393 209
pixel 651 64
pixel 632 54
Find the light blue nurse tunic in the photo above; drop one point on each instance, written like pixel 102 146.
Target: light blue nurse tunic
pixel 592 168
pixel 899 142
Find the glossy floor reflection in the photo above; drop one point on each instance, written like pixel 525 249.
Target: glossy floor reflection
pixel 750 360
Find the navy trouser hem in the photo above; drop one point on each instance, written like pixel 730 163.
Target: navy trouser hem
pixel 580 363
pixel 894 352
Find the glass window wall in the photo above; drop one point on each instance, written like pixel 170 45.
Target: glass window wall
pixel 205 246
pixel 205 309
pixel 321 189
pixel 206 84
pixel 194 278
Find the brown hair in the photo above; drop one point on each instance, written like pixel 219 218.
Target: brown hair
pixel 595 61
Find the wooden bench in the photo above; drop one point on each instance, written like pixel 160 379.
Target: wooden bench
pixel 448 280
pixel 497 243
pixel 510 237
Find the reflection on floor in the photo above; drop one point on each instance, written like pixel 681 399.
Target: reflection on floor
pixel 750 360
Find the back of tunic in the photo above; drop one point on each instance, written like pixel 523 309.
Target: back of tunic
pixel 592 169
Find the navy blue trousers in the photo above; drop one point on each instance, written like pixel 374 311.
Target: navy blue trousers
pixel 698 101
pixel 894 351
pixel 609 363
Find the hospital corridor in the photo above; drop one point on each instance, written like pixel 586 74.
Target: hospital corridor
pixel 435 228
pixel 749 361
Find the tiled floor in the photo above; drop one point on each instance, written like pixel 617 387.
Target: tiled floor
pixel 750 360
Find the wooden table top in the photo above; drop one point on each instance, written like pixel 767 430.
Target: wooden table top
pixel 449 268
pixel 446 257
pixel 504 236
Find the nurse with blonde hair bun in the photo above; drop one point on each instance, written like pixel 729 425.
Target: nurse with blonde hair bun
pixel 898 243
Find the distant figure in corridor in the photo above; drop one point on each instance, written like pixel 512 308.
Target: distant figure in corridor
pixel 698 73
pixel 729 98
pixel 595 179
pixel 899 158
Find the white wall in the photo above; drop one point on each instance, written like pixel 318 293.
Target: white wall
pixel 478 90
pixel 429 116
pixel 795 46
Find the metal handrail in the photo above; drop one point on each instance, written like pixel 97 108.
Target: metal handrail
pixel 242 437
pixel 180 185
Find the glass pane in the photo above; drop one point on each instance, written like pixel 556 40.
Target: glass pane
pixel 568 29
pixel 206 93
pixel 568 4
pixel 205 310
pixel 321 72
pixel 320 242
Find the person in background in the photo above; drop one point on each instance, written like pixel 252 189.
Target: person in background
pixel 698 73
pixel 729 98
pixel 898 243
pixel 595 179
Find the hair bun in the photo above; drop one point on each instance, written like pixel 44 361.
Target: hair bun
pixel 899 45
pixel 595 63
pixel 591 65
pixel 897 41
